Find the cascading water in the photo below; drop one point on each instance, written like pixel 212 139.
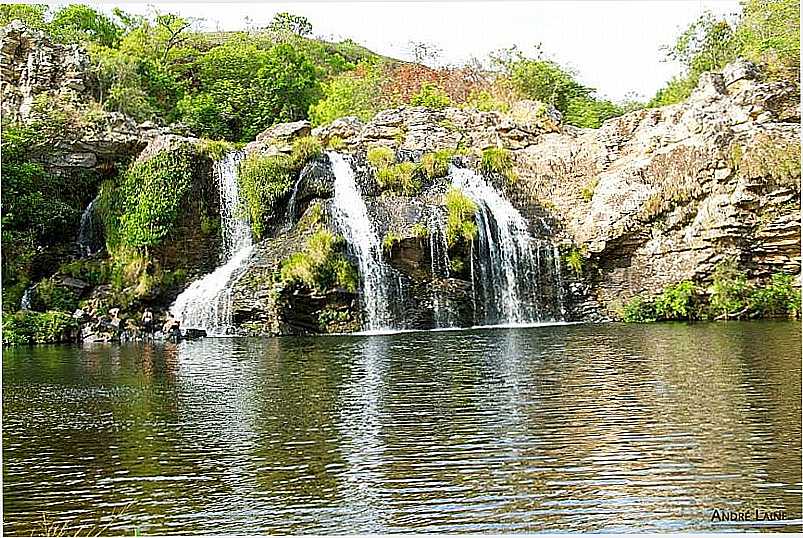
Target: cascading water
pixel 351 219
pixel 507 263
pixel 90 236
pixel 206 303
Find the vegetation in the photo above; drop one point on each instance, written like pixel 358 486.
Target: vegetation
pixel 401 178
pixel 767 32
pixel 390 240
pixel 460 212
pixel 431 96
pixel 435 164
pixel 321 265
pixel 39 211
pixel 266 180
pixel 498 161
pixel 380 157
pixel 574 260
pixel 729 297
pixel 26 327
pixel 420 230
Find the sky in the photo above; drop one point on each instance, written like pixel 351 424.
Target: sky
pixel 614 46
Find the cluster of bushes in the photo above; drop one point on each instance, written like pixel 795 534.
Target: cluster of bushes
pixel 729 297
pixel 321 265
pixel 406 177
pixel 26 327
pixel 266 180
pixel 767 32
pixel 39 210
pixel 498 161
pixel 460 223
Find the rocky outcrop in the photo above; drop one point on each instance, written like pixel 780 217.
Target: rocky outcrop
pixel 51 86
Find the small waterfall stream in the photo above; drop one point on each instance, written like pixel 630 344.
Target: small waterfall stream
pixel 352 221
pixel 90 235
pixel 508 265
pixel 206 303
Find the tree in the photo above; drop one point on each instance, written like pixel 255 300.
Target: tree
pixel 172 30
pixel 33 15
pixel 287 23
pixel 77 23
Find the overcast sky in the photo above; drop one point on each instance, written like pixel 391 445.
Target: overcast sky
pixel 613 45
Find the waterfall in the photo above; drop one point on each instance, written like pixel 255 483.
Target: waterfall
pixel 351 219
pixel 25 301
pixel 206 303
pixel 506 260
pixel 90 238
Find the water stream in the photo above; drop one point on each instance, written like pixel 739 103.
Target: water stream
pixel 509 267
pixel 206 303
pixel 352 221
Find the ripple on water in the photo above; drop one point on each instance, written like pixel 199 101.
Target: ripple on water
pixel 575 427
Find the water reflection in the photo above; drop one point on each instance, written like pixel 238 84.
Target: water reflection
pixel 596 428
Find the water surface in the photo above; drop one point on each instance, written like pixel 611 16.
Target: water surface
pixel 561 428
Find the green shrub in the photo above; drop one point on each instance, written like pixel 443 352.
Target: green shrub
pixel 353 93
pixel 380 157
pixel 26 327
pixel 778 298
pixel 431 96
pixel 639 310
pixel 456 264
pixel 53 297
pixel 399 178
pixel 336 143
pixel 677 302
pixel 142 210
pixel 320 266
pixel 574 260
pixel 485 101
pixel 305 149
pixel 214 149
pixel 264 181
pixel 420 230
pixel 460 212
pixel 390 240
pixel 435 164
pixel 498 161
pixel 729 290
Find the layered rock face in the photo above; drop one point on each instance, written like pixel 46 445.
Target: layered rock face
pixel 651 198
pixel 34 73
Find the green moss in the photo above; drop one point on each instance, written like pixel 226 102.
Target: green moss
pixel 399 178
pixel 587 192
pixel 420 230
pixel 214 149
pixel 380 157
pixel 264 181
pixel 321 265
pixel 460 212
pixel 312 217
pixel 435 164
pixel 143 208
pixel 498 161
pixel 457 264
pixel 390 240
pixel 27 327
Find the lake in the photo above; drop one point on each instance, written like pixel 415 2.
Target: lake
pixel 586 427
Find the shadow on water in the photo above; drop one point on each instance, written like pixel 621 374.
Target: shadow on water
pixel 575 427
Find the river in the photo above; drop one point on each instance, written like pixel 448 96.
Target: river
pixel 581 427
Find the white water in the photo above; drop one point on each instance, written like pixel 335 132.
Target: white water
pixel 88 240
pixel 351 218
pixel 507 267
pixel 206 303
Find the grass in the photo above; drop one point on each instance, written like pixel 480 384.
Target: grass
pixel 321 265
pixel 460 212
pixel 498 161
